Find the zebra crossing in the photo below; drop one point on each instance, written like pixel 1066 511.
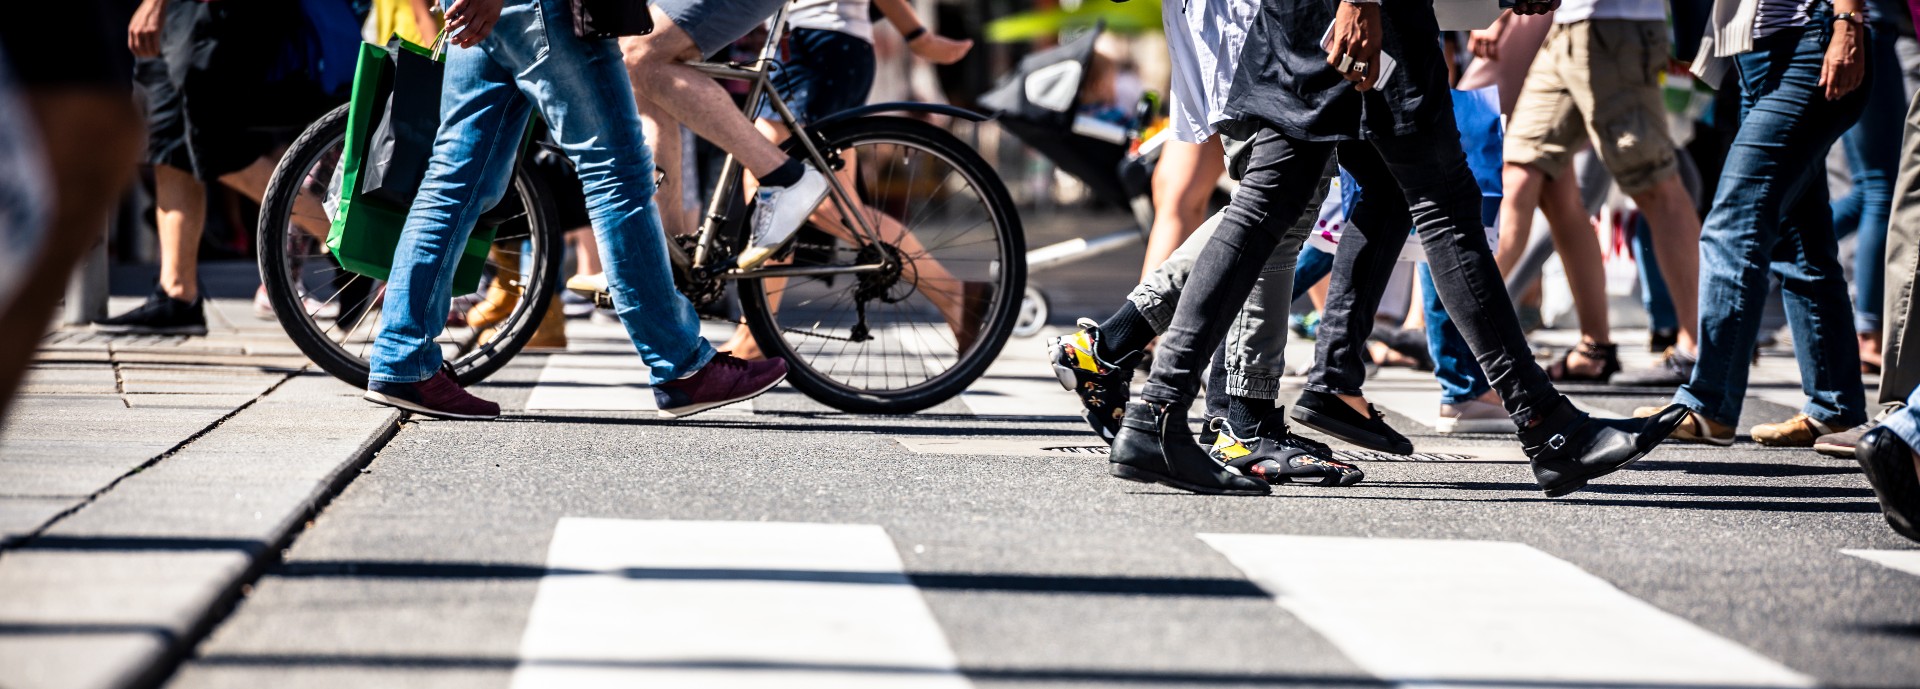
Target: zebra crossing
pixel 748 604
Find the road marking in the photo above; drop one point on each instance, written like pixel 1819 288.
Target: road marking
pixel 729 604
pixel 1469 612
pixel 1904 560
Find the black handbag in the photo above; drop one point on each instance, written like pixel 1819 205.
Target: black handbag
pixel 409 118
pixel 611 18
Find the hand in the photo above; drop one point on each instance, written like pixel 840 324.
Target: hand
pixel 1527 7
pixel 1484 44
pixel 470 21
pixel 938 49
pixel 143 33
pixel 1846 63
pixel 1356 34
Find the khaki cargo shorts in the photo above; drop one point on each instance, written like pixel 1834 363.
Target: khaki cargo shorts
pixel 1598 80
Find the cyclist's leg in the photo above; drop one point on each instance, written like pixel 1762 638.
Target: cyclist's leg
pixel 677 93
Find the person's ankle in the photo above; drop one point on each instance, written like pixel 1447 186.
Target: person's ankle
pixel 187 293
pixel 1358 403
pixel 1490 397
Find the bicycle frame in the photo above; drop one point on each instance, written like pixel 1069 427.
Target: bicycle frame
pixel 761 92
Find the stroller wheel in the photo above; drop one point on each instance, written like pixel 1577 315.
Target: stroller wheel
pixel 1033 313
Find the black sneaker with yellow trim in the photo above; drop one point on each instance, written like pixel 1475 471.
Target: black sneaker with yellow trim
pixel 1102 385
pixel 1276 455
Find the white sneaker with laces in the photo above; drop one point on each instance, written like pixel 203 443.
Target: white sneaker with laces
pixel 593 287
pixel 1474 416
pixel 778 213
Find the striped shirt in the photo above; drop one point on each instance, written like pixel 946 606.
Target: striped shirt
pixel 1774 15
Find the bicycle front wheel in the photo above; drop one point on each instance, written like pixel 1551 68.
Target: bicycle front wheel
pixel 333 314
pixel 912 336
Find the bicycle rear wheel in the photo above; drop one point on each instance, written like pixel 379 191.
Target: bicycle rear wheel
pixel 902 340
pixel 333 314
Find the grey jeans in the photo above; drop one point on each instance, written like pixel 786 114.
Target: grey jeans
pixel 1901 371
pixel 1257 341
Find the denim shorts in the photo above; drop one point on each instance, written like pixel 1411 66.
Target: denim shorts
pixel 714 24
pixel 822 73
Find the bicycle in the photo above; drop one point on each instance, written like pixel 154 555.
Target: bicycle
pixel 854 304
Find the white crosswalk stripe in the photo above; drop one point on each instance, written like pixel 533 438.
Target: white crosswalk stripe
pixel 1904 560
pixel 1465 613
pixel 631 603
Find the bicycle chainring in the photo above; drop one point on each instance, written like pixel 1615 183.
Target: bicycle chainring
pixel 702 292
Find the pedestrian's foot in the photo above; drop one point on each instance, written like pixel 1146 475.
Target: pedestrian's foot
pixel 1331 415
pixel 1474 416
pixel 777 215
pixel 1273 453
pixel 742 345
pixel 1672 371
pixel 1890 466
pixel 1842 444
pixel 1155 446
pixel 1101 384
pixel 975 297
pixel 1590 362
pixel 1696 428
pixel 725 379
pixel 439 397
pixel 1799 431
pixel 1659 340
pixel 1570 448
pixel 592 287
pixel 160 315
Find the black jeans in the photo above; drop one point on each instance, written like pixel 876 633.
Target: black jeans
pixel 1439 198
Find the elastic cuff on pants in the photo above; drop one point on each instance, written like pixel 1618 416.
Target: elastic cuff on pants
pixel 1259 386
pixel 1157 309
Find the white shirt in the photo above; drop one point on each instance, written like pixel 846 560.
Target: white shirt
pixel 845 16
pixel 1205 44
pixel 1579 10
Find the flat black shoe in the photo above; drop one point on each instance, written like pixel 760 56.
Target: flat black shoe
pixel 1275 455
pixel 1327 414
pixel 1155 446
pixel 1888 464
pixel 1570 448
pixel 160 315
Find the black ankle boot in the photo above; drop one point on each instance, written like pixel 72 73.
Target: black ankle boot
pixel 1569 448
pixel 1155 446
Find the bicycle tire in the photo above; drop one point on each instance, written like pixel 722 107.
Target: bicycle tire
pixel 287 290
pixel 1009 283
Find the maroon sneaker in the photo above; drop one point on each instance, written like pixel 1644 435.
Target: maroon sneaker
pixel 724 380
pixel 438 397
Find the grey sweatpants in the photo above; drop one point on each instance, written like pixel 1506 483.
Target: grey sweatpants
pixel 1257 341
pixel 1900 372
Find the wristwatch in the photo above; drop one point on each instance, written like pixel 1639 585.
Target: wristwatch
pixel 1361 2
pixel 1854 17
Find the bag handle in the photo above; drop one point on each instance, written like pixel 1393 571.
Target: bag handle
pixel 440 45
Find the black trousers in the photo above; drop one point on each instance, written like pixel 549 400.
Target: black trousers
pixel 1419 181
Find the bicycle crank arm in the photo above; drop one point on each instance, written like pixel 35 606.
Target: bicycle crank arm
pixel 801 271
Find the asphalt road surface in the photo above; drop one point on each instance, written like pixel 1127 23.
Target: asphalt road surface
pixel 581 542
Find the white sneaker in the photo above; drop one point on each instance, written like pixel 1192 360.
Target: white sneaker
pixel 778 213
pixel 1474 416
pixel 592 287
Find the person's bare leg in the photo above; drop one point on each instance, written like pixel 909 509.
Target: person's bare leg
pixel 92 139
pixel 252 182
pixel 1676 241
pixel 180 214
pixel 656 63
pixel 1579 249
pixel 586 251
pixel 663 134
pixel 1183 181
pixel 1520 196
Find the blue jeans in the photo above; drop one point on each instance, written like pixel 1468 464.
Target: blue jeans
pixel 1906 422
pixel 1873 160
pixel 532 59
pixel 1770 213
pixel 1653 287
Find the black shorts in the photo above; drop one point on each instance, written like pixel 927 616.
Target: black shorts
pixel 212 107
pixel 68 43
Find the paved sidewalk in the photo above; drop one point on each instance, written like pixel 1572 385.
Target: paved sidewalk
pixel 144 479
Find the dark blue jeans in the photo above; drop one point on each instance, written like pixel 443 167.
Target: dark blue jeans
pixel 1770 214
pixel 1873 159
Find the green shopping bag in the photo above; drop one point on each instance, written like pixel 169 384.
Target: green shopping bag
pixel 366 230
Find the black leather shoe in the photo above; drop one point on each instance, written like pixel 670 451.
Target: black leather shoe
pixel 1328 414
pixel 1570 448
pixel 1888 463
pixel 1155 446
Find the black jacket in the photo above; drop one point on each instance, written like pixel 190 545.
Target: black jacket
pixel 1285 81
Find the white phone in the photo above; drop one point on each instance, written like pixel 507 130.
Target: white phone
pixel 1386 61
